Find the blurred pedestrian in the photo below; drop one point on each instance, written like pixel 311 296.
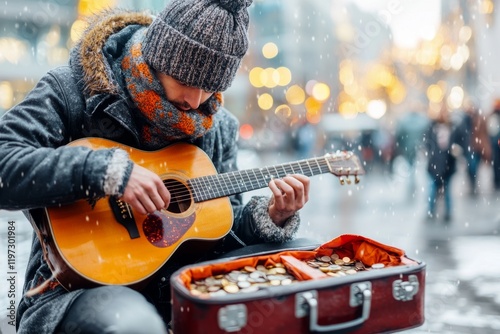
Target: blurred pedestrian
pixel 305 139
pixel 493 126
pixel 476 144
pixel 410 131
pixel 383 142
pixel 441 143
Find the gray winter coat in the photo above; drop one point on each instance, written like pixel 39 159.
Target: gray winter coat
pixel 84 100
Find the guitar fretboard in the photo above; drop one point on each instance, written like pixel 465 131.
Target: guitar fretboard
pixel 227 184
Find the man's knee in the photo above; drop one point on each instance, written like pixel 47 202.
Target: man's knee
pixel 112 309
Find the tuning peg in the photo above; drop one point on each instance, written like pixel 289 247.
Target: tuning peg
pixel 342 181
pixel 348 179
pixel 356 179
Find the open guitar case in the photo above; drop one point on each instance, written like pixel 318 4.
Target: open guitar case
pixel 372 301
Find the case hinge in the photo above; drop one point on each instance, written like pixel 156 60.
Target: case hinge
pixel 404 291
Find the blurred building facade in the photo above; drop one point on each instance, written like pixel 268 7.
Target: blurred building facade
pixel 309 60
pixel 34 37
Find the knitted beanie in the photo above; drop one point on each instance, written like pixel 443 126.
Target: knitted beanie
pixel 200 43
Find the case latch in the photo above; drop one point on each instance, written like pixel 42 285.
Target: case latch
pixel 404 291
pixel 232 318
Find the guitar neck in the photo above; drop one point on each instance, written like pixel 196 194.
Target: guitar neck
pixel 220 185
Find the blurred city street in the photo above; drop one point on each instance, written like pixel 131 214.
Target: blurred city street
pixel 462 287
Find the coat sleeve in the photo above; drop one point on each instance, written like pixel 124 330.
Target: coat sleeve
pixel 252 223
pixel 36 168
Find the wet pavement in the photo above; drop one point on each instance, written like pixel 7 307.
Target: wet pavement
pixel 462 256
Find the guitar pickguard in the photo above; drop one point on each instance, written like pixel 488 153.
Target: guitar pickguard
pixel 163 230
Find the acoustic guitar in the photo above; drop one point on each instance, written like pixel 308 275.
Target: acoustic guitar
pixel 108 243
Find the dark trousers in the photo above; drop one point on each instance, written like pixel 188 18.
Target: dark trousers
pixel 112 309
pixel 495 148
pixel 437 186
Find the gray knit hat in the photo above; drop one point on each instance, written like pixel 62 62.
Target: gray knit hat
pixel 199 42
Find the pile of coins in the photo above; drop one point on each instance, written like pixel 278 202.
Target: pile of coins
pixel 250 279
pixel 245 280
pixel 336 266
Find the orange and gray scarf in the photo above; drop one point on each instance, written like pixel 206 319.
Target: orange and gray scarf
pixel 160 121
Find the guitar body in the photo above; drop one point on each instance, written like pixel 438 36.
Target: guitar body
pixel 109 244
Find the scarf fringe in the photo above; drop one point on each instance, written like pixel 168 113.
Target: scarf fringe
pixel 51 283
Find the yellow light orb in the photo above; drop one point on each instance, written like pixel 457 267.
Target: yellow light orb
pixel 376 109
pixel 6 95
pixel 283 110
pixel 77 29
pixel 295 95
pixel 285 76
pixel 312 105
pixel 456 97
pixel 435 93
pixel 321 91
pixel 346 76
pixel 270 50
pixel 265 101
pixel 397 93
pixel 348 109
pixel 465 34
pixel 313 117
pixel 272 77
pixel 91 7
pixel 255 77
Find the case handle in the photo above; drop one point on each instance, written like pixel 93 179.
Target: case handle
pixel 361 294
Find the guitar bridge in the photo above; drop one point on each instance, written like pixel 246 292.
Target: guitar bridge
pixel 124 216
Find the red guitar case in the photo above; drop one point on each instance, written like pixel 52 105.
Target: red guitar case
pixel 386 296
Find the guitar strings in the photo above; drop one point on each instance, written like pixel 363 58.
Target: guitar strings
pixel 181 192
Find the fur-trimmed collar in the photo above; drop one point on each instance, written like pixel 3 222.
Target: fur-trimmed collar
pixel 88 53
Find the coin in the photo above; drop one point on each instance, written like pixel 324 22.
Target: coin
pixel 360 265
pixel 313 264
pixel 251 288
pixel 243 277
pixel 334 267
pixel 244 284
pixel 231 288
pixel 280 270
pixel 378 266
pixel 218 293
pixel 325 259
pixel 249 269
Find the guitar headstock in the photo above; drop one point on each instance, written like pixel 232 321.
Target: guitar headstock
pixel 344 164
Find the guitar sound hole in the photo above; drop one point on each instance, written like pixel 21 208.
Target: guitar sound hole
pixel 180 199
